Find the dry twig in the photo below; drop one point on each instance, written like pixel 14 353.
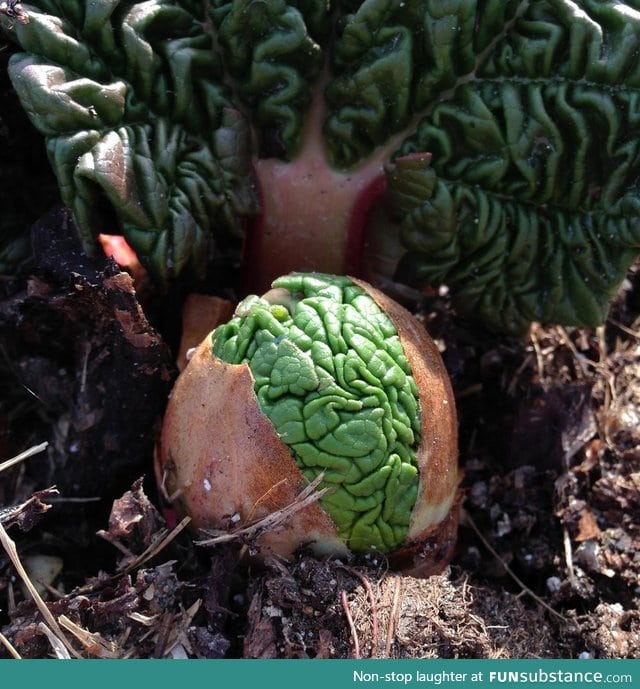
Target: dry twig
pixel 352 626
pixel 178 630
pixel 11 550
pixel 535 343
pixel 568 555
pixel 393 617
pixel 509 571
pixel 624 328
pixel 372 603
pixel 9 646
pixel 269 523
pixel 94 644
pixel 23 455
pixel 160 542
pixel 59 648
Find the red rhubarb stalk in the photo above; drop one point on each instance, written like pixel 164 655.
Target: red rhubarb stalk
pixel 313 216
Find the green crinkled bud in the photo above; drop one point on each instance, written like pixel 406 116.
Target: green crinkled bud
pixel 331 375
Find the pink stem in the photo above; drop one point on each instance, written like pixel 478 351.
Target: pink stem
pixel 313 216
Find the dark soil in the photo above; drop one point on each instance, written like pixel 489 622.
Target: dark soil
pixel 548 557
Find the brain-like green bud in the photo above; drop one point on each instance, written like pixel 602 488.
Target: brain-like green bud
pixel 330 373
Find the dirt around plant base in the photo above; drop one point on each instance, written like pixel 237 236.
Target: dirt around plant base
pixel 547 562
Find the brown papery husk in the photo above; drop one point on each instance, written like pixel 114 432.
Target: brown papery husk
pixel 224 462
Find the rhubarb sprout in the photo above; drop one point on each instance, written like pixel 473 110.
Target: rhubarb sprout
pixel 331 375
pixel 321 382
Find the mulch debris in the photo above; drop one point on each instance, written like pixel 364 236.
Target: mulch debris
pixel 548 556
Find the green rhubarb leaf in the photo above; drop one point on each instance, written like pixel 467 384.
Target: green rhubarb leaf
pixel 529 205
pixel 330 374
pixel 271 54
pixel 526 111
pixel 141 132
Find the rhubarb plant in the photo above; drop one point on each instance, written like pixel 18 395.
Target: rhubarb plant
pixel 489 145
pixel 322 382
